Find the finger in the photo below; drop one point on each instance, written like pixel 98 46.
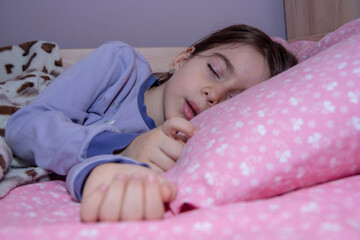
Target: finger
pixel 91 202
pixel 168 192
pixel 164 157
pixel 154 206
pixel 110 209
pixel 174 125
pixel 133 206
pixel 172 149
pixel 182 138
pixel 155 168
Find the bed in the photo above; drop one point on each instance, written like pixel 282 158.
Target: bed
pixel 279 161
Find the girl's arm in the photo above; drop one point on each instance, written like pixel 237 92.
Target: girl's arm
pixel 50 132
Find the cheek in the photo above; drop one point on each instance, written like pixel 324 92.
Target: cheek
pixel 266 72
pixel 171 86
pixel 261 76
pixel 178 85
pixel 170 100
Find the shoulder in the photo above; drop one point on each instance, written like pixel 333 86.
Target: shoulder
pixel 120 47
pixel 116 47
pixel 124 51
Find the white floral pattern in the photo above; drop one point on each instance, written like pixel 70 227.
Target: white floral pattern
pixel 45 211
pixel 299 130
pixel 295 130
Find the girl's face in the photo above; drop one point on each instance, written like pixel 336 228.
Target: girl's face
pixel 211 77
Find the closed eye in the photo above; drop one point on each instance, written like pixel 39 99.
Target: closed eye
pixel 213 71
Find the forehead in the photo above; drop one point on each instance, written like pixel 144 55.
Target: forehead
pixel 236 51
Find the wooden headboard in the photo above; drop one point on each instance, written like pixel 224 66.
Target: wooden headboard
pixel 312 19
pixel 159 58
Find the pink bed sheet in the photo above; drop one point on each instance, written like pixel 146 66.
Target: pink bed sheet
pixel 327 211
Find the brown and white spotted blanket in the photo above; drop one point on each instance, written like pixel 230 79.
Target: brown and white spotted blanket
pixel 25 70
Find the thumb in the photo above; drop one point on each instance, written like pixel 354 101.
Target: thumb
pixel 168 192
pixel 167 189
pixel 174 126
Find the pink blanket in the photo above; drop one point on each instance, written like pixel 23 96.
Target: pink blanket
pixel 328 211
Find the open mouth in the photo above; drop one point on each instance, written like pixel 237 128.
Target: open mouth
pixel 189 109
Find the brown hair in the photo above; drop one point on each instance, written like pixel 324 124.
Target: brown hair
pixel 278 58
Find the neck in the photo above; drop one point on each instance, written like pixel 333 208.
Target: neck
pixel 153 100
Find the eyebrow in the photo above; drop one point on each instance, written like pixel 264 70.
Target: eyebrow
pixel 226 60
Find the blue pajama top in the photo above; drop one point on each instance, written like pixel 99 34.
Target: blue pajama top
pixel 90 110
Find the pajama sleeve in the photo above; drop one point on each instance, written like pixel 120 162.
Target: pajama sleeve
pixel 49 132
pixel 109 142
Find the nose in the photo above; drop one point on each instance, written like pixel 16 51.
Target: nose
pixel 213 96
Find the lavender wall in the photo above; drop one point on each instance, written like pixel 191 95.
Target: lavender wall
pixel 141 23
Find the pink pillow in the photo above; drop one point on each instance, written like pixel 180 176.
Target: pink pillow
pixel 295 130
pixel 306 49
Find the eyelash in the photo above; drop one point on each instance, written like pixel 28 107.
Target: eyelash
pixel 213 71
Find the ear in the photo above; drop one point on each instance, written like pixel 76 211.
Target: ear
pixel 182 58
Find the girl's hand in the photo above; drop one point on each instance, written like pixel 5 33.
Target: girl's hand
pixel 120 192
pixel 161 147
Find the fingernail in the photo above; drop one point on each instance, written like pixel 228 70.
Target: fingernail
pixel 120 176
pixel 150 178
pixel 103 187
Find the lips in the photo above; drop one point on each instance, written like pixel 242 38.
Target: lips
pixel 190 109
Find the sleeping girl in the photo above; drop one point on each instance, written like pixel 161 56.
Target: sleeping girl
pixel 113 127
